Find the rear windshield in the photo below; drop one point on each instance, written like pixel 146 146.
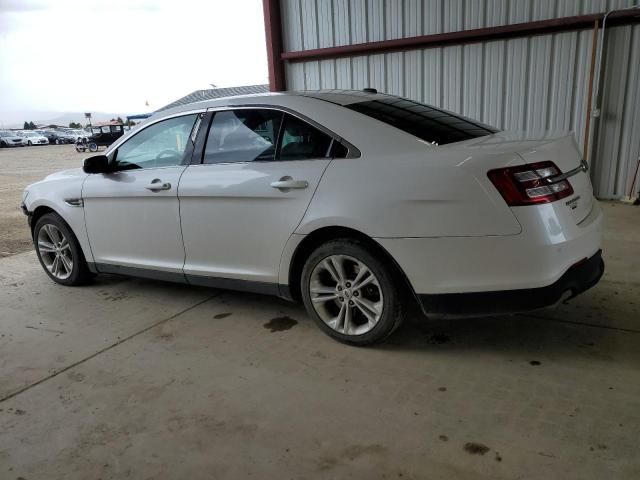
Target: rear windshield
pixel 430 124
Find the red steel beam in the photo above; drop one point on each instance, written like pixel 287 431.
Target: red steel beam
pixel 542 27
pixel 273 37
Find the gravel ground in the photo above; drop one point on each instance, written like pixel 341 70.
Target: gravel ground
pixel 18 168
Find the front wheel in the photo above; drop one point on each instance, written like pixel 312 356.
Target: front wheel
pixel 93 147
pixel 351 293
pixel 29 143
pixel 59 251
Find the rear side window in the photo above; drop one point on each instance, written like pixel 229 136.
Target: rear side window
pixel 242 136
pixel 249 135
pixel 301 141
pixel 430 124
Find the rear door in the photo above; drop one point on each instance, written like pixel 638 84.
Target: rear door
pixel 238 207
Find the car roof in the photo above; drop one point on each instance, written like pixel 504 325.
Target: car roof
pixel 339 97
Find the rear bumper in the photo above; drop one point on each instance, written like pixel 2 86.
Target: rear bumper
pixel 576 280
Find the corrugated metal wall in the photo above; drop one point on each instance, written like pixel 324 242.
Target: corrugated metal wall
pixel 531 83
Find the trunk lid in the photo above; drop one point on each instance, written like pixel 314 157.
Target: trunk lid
pixel 539 147
pixel 564 152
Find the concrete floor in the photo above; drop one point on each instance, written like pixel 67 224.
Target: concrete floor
pixel 139 379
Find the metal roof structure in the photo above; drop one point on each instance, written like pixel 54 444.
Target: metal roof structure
pixel 213 93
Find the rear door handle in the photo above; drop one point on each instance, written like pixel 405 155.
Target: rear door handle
pixel 287 183
pixel 157 185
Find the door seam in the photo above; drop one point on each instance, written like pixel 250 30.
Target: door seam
pixel 280 266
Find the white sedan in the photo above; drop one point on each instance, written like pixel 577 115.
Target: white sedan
pixel 33 138
pixel 356 203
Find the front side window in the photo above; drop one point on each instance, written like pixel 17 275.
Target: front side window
pixel 301 141
pixel 244 135
pixel 428 123
pixel 162 144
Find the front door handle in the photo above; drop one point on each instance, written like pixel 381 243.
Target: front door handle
pixel 287 183
pixel 157 185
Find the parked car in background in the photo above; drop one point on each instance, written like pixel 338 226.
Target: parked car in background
pixel 55 137
pixel 78 135
pixel 10 139
pixel 66 136
pixel 356 203
pixel 32 138
pixel 101 136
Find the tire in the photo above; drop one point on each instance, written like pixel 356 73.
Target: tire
pixel 29 143
pixel 374 311
pixel 49 234
pixel 93 147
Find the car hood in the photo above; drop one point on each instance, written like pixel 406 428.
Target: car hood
pixel 71 173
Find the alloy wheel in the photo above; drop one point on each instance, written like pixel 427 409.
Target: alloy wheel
pixel 346 294
pixel 55 251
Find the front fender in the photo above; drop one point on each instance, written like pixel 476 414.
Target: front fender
pixel 56 195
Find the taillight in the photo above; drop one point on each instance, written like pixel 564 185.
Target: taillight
pixel 530 184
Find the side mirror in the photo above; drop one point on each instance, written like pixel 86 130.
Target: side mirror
pixel 97 164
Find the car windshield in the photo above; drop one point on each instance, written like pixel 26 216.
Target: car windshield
pixel 431 124
pixel 5 134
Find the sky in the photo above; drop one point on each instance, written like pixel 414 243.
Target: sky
pixel 116 55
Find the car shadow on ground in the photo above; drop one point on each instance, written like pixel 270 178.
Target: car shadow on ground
pixel 532 336
pixel 536 335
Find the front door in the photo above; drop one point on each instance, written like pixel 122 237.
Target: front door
pixel 132 215
pixel 238 208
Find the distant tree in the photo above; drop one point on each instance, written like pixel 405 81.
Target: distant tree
pixel 119 120
pixel 75 125
pixel 26 126
pixel 131 123
pixel 32 126
pixel 52 126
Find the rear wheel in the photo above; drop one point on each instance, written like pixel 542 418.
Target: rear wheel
pixel 93 147
pixel 59 251
pixel 351 293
